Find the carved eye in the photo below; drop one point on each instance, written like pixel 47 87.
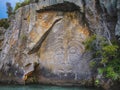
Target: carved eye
pixel 73 50
pixel 59 51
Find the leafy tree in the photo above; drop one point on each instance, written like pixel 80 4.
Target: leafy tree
pixel 9 9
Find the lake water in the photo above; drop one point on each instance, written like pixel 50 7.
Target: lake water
pixel 42 87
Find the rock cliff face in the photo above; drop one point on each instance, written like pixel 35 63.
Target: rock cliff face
pixel 2 32
pixel 44 43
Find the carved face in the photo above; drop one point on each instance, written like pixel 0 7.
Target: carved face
pixel 62 51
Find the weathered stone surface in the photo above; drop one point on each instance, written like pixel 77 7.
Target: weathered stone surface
pixel 63 51
pixel 45 43
pixel 110 6
pixel 117 29
pixel 2 31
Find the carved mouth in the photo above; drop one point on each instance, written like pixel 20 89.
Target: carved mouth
pixel 64 7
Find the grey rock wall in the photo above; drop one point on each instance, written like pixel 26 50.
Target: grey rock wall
pixel 47 46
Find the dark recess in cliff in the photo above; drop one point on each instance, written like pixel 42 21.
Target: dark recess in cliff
pixel 64 7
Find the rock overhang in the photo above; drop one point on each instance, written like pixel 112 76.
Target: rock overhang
pixel 63 7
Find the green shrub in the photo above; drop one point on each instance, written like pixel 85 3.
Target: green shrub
pixel 92 63
pixel 90 43
pixel 4 23
pixel 18 5
pixel 21 4
pixel 109 64
pixel 97 82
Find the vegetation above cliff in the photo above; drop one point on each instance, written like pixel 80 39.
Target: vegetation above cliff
pixel 106 57
pixel 21 4
pixel 4 23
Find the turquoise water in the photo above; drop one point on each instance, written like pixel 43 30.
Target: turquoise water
pixel 42 87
